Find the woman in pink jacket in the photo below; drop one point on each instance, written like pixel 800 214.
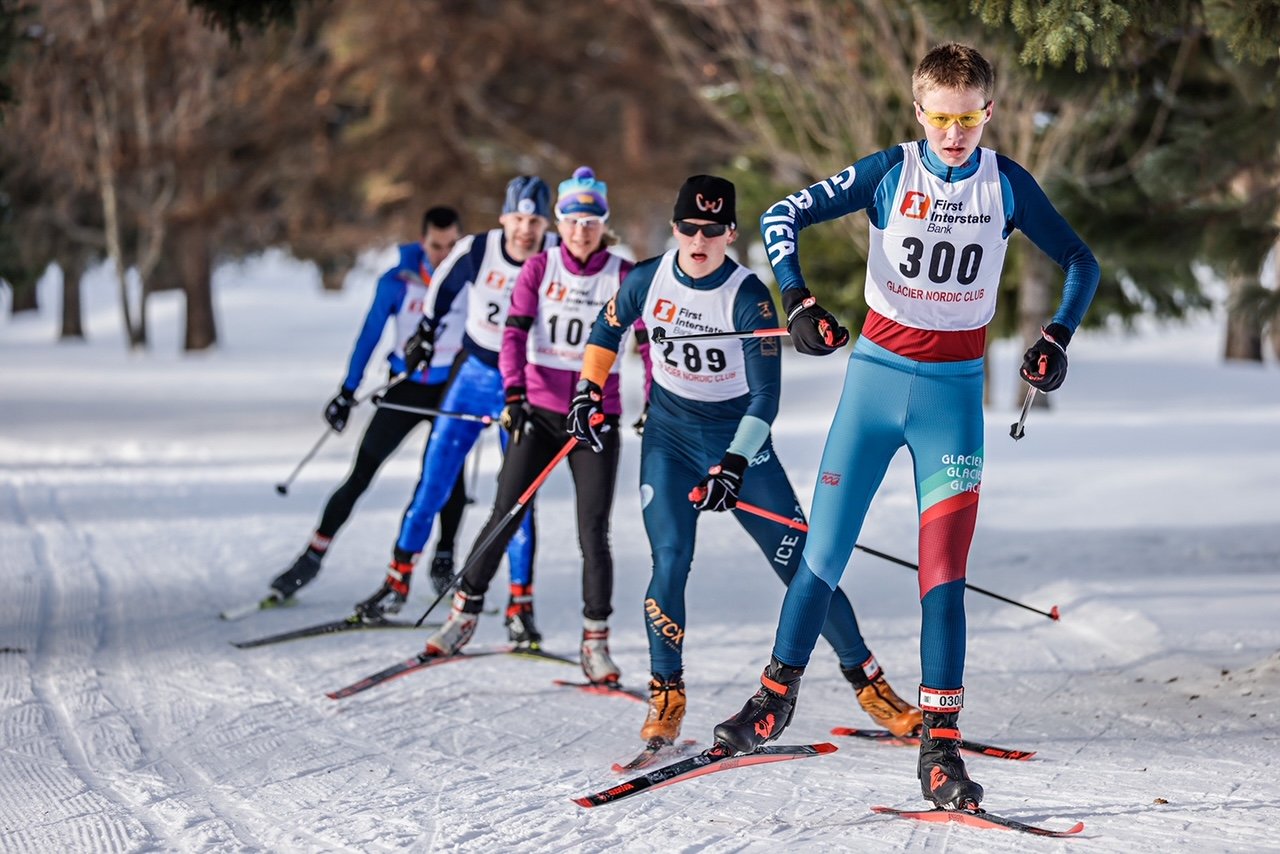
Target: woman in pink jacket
pixel 557 297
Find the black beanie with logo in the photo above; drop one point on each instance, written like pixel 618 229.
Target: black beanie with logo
pixel 706 197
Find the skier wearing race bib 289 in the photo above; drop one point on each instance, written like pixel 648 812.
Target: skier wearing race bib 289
pixel 941 211
pixel 480 272
pixel 707 439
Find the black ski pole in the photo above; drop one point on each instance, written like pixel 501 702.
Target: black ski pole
pixel 660 335
pixel 282 487
pixel 478 549
pixel 1052 613
pixel 1015 429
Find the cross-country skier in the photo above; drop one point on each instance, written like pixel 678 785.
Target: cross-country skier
pixel 941 211
pixel 556 299
pixel 708 432
pixel 481 271
pixel 397 298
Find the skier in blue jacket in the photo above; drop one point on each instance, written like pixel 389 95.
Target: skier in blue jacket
pixel 479 275
pixel 398 299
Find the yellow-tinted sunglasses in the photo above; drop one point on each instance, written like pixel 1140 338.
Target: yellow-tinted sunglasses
pixel 968 121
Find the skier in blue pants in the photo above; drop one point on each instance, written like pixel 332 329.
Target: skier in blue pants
pixel 706 442
pixel 481 271
pixel 941 211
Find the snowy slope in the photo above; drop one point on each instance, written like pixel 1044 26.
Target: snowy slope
pixel 136 501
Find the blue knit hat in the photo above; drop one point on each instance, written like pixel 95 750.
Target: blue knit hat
pixel 528 194
pixel 583 194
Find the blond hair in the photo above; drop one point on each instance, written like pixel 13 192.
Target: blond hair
pixel 953 66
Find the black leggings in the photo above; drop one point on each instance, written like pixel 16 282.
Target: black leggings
pixel 594 479
pixel 387 429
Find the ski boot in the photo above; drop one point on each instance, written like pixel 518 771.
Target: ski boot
pixel 767 713
pixel 520 628
pixel 458 628
pixel 943 778
pixel 666 709
pixel 879 701
pixel 441 571
pixel 394 592
pixel 293 579
pixel 597 664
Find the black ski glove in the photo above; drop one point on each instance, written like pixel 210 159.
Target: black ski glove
pixel 1044 365
pixel 718 491
pixel 339 409
pixel 586 413
pixel 515 415
pixel 814 330
pixel 419 348
pixel 640 422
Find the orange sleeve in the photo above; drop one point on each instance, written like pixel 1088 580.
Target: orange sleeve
pixel 597 361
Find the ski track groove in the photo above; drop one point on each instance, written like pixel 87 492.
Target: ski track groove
pixel 118 828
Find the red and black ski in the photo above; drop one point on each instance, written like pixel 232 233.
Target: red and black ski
pixel 977 818
pixel 356 622
pixel 718 757
pixel 885 737
pixel 423 661
pixel 606 689
pixel 657 749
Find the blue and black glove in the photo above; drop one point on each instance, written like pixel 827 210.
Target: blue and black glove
pixel 638 426
pixel 419 348
pixel 1044 365
pixel 586 415
pixel 718 491
pixel 814 330
pixel 339 409
pixel 515 414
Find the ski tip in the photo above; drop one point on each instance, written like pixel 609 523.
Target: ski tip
pixel 333 695
pixel 1055 616
pixel 824 748
pixel 584 802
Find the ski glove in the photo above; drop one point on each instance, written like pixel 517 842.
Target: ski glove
pixel 718 491
pixel 420 347
pixel 585 415
pixel 1044 365
pixel 515 415
pixel 339 409
pixel 814 330
pixel 640 422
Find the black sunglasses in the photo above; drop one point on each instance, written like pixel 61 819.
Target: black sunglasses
pixel 710 229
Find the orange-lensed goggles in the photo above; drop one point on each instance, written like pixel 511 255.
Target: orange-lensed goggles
pixel 968 121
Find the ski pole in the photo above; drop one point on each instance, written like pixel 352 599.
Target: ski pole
pixel 1052 613
pixel 525 498
pixel 1015 429
pixel 283 486
pixel 439 413
pixel 659 335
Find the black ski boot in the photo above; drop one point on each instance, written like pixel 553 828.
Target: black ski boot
pixel 943 778
pixel 441 571
pixel 521 630
pixel 394 592
pixel 767 713
pixel 293 579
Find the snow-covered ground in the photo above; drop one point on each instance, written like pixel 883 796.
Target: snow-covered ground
pixel 137 500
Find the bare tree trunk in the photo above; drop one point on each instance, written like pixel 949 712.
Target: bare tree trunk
pixel 72 316
pixel 333 272
pixel 195 269
pixel 1244 330
pixel 24 296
